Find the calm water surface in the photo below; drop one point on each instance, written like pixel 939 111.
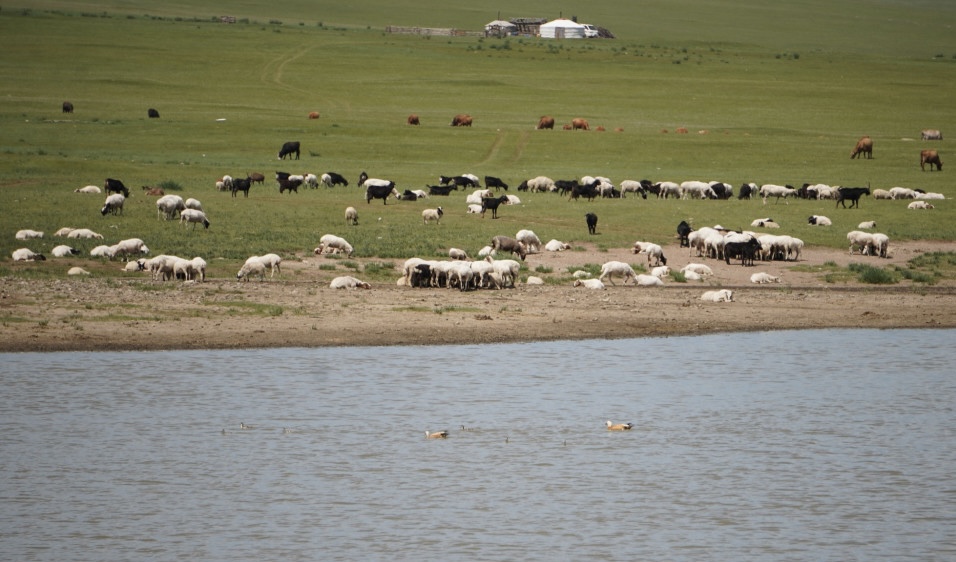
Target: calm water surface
pixel 811 445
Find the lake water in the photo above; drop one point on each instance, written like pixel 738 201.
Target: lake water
pixel 811 445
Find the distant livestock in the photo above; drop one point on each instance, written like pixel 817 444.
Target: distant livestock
pixel 546 122
pixel 288 149
pixel 432 215
pixel 348 282
pixel 579 123
pixel 332 179
pixel 510 245
pixel 115 186
pixel 351 216
pixel 492 203
pixel 379 189
pixel 863 148
pixel 88 189
pixel 152 113
pixel 592 221
pixel 683 232
pixel 28 234
pixel 193 216
pixel 26 254
pixel 313 115
pixel 819 220
pixel 113 205
pixel 919 205
pixel 461 120
pixel 723 295
pixel 67 107
pixel 930 157
pixel 241 184
pixel 494 182
pixel 927 134
pixel 413 120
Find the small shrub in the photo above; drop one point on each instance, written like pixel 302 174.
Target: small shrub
pixel 873 275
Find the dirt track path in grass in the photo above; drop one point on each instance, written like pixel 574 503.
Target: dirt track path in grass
pixel 273 71
pixel 499 141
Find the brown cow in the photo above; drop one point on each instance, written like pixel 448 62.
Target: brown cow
pixel 578 123
pixel 546 122
pixel 314 115
pixel 413 119
pixel 864 146
pixel 930 157
pixel 461 120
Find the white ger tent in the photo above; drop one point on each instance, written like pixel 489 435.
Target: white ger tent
pixel 562 29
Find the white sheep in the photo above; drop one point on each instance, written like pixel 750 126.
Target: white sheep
pixel 84 233
pixel 903 193
pixel 652 250
pixel 193 216
pixel 540 183
pixel 819 220
pixel 612 268
pixel 127 248
pixel 770 190
pixel 861 239
pixel 484 274
pixel 878 246
pixel 534 280
pixel 691 275
pixel 161 266
pixel 272 261
pixel 64 251
pixel 457 254
pixel 347 282
pixel 589 283
pixel 643 280
pixel 474 209
pixel 26 254
pixel 420 193
pixel 866 225
pixel 351 216
pixel 332 244
pixel 77 271
pixel 65 231
pixel 530 239
pixel 513 200
pixel 930 195
pixel 196 269
pixel 507 269
pixel 581 274
pixel 226 182
pixel 698 268
pixel 168 206
pixel 136 265
pixel 28 234
pixel 463 273
pixel 253 266
pixel 556 246
pixel 881 194
pixel 722 295
pixel 311 180
pixel 193 204
pixel 486 251
pixel 661 271
pixel 919 205
pixel 477 195
pixel 100 252
pixel 765 223
pixel 113 205
pixel 763 277
pixel 94 189
pixel 668 189
pixel 432 215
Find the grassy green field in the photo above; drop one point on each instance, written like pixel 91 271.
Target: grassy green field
pixel 782 91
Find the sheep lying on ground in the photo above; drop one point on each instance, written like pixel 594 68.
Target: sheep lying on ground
pixel 589 283
pixel 347 282
pixel 866 225
pixel 819 220
pixel 94 189
pixel 77 271
pixel 84 233
pixel 661 271
pixel 557 246
pixel 28 234
pixel 580 274
pixel 723 295
pixel 136 265
pixel 698 268
pixel 534 280
pixel 66 230
pixel 26 254
pixel 64 251
pixel 474 209
pixel 763 277
pixel 612 268
pixel 648 281
pixel 691 275
pixel 765 223
pixel 919 205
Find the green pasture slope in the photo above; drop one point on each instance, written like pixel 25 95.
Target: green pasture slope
pixel 783 91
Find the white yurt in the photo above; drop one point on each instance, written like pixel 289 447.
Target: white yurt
pixel 562 29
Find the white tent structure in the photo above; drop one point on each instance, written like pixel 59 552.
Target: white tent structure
pixel 499 25
pixel 562 29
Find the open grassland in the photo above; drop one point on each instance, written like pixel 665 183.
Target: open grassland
pixel 782 92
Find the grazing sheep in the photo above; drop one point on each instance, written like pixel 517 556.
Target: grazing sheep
pixel 161 267
pixel 556 246
pixel 778 191
pixel 878 246
pixel 84 233
pixel 77 271
pixel 193 216
pixel 457 254
pixel 530 240
pixel 252 267
pixel 26 254
pixel 612 268
pixel 652 250
pixel 331 244
pixel 819 220
pixel 351 216
pixel 272 261
pixel 919 205
pixel 93 189
pixel 861 239
pixel 723 295
pixel 311 180
pixel 193 270
pixel 432 215
pixel 903 193
pixel 347 282
pixel 193 204
pixel 762 277
pixel 63 251
pixel 643 280
pixel 507 269
pixel 589 283
pixel 127 248
pixel 113 205
pixel 168 206
pixel 618 426
pixel 486 251
pixel 508 244
pixel 866 225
